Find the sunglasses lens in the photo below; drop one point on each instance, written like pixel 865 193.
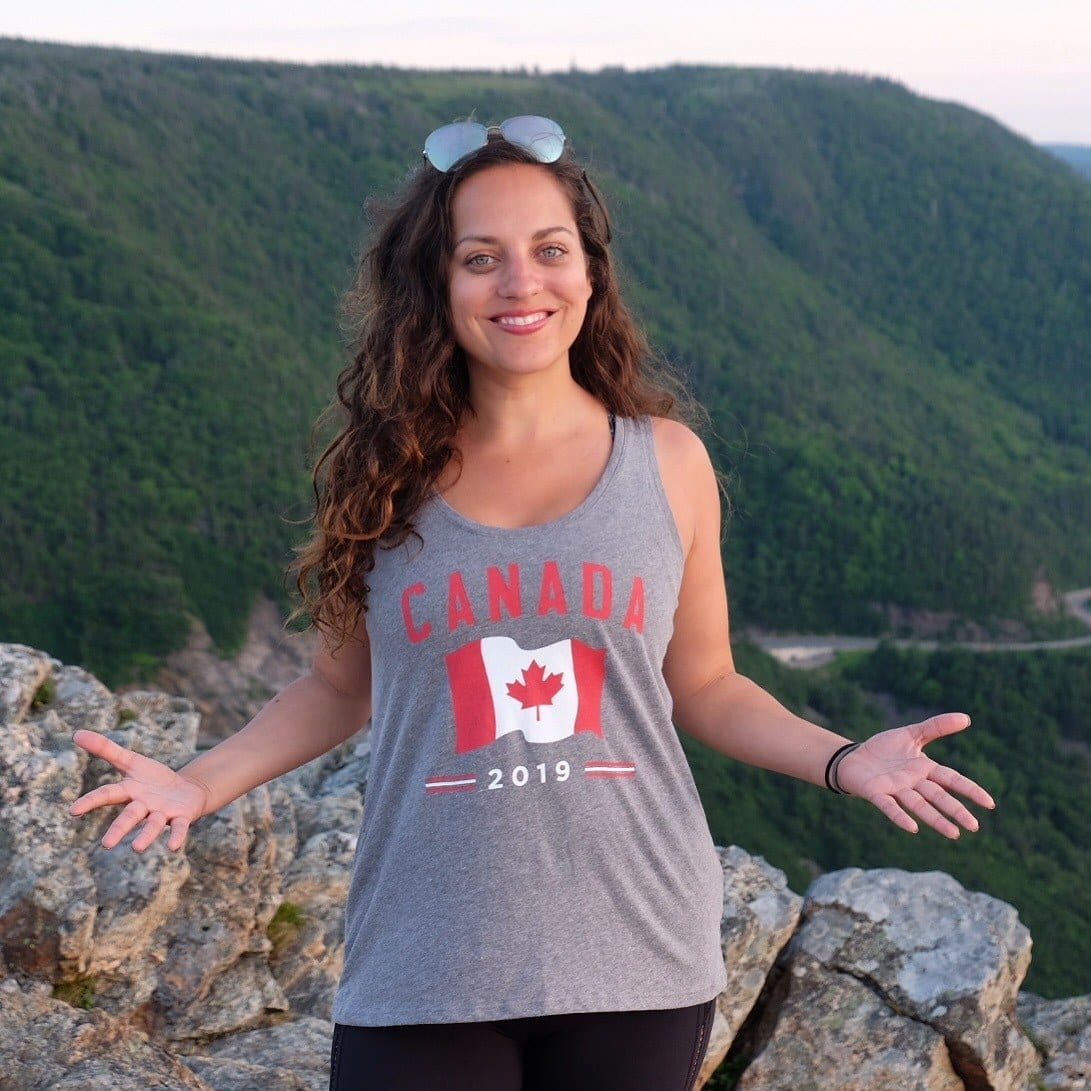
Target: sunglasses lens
pixel 544 139
pixel 448 144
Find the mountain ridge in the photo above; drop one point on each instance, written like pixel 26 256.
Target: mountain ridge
pixel 175 261
pixel 1077 156
pixel 900 401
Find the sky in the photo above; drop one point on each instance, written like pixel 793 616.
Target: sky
pixel 1026 63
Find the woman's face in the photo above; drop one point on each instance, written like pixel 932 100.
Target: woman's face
pixel 518 278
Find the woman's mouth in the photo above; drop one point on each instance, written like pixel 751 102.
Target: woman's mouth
pixel 522 323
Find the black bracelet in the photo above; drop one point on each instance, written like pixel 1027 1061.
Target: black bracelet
pixel 836 758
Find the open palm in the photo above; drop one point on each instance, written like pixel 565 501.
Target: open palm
pixel 891 771
pixel 152 793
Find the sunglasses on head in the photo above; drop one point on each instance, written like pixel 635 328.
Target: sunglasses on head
pixel 544 139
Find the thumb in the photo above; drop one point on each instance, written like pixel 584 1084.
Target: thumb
pixel 946 723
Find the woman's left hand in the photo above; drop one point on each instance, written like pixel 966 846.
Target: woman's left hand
pixel 892 771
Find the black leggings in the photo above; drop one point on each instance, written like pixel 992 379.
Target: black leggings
pixel 584 1051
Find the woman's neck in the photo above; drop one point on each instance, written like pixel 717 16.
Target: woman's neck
pixel 532 407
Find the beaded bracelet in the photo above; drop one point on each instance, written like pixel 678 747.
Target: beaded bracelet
pixel 836 758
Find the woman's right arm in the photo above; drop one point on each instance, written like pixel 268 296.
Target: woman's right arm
pixel 307 718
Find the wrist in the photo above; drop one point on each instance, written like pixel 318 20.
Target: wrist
pixel 834 763
pixel 206 792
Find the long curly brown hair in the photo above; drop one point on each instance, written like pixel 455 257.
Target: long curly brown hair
pixel 403 395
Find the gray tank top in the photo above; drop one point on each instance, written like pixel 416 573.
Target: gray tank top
pixel 532 840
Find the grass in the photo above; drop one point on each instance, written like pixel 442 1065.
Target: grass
pixel 80 992
pixel 286 922
pixel 43 695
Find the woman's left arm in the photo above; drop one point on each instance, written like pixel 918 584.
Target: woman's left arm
pixel 732 714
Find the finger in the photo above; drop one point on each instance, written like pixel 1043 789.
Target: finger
pixel 889 806
pixel 953 808
pixel 179 827
pixel 154 825
pixel 135 813
pixel 100 797
pixel 954 781
pixel 102 747
pixel 916 804
pixel 946 723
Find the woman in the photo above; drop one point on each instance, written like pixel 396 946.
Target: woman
pixel 518 569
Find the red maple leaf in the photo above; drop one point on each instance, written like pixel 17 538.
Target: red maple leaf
pixel 536 689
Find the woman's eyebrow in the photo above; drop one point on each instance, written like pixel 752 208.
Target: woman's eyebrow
pixel 491 240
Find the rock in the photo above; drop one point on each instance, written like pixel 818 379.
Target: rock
pixel 759 915
pixel 239 996
pixel 223 1075
pixel 309 940
pixel 82 701
pixel 309 948
pixel 136 898
pixel 293 1056
pixel 167 934
pixel 215 975
pixel 22 672
pixel 833 1032
pixel 1061 1029
pixel 136 895
pixel 47 895
pixel 935 953
pixel 48 1045
pixel 52 871
pixel 229 692
pixel 228 952
pixel 156 724
pixel 338 774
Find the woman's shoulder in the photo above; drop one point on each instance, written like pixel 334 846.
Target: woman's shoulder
pixel 677 447
pixel 687 475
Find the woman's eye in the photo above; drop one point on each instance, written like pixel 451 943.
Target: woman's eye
pixel 553 251
pixel 478 261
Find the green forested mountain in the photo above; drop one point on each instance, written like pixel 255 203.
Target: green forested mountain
pixel 882 300
pixel 1077 156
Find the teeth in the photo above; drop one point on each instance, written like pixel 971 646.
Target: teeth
pixel 521 320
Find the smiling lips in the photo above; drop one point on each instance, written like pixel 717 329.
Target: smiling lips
pixel 522 323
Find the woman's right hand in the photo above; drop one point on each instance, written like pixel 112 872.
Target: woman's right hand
pixel 152 793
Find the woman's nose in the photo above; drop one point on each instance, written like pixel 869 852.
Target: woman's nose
pixel 520 279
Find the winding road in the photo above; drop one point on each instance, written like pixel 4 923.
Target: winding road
pixel 807 652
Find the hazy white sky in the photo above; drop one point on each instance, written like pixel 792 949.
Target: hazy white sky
pixel 1025 62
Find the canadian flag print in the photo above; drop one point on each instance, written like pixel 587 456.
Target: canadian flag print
pixel 547 693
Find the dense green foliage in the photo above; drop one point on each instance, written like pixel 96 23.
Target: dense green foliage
pixel 882 300
pixel 1030 746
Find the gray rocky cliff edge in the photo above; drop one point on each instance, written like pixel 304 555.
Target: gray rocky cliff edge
pixel 214 968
